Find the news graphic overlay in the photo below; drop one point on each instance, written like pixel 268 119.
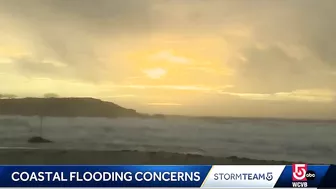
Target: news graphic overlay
pixel 243 176
pixel 300 175
pixel 299 172
pixel 307 176
pixel 198 176
pixel 103 176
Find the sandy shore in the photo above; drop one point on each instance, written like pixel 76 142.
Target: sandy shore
pixel 34 156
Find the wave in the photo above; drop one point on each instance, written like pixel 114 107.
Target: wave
pixel 268 139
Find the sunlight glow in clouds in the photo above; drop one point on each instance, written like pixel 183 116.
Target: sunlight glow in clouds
pixel 119 96
pixel 174 87
pixel 155 73
pixel 233 55
pixel 297 95
pixel 163 104
pixel 169 57
pixel 5 60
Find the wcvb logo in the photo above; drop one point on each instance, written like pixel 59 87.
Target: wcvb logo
pixel 299 172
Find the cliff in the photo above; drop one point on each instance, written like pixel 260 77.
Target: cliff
pixel 63 107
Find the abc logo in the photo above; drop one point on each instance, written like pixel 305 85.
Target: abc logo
pixel 310 175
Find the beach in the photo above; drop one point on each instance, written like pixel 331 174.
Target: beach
pixel 78 157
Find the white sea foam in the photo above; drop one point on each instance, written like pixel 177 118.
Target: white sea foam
pixel 311 141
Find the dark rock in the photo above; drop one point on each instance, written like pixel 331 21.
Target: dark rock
pixel 37 139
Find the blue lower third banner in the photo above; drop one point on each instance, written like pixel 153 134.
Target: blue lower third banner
pixel 205 176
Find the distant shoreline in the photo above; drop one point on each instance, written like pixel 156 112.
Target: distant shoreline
pixel 163 116
pixel 251 118
pixel 91 107
pixel 124 157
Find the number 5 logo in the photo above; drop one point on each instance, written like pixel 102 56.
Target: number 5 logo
pixel 299 172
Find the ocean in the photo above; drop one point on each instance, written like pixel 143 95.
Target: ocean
pixel 310 141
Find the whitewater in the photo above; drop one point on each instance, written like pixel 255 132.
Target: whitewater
pixel 311 141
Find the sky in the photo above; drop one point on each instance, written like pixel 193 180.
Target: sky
pixel 260 58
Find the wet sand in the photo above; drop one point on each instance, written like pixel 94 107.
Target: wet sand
pixel 54 157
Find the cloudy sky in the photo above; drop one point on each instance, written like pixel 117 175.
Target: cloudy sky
pixel 264 58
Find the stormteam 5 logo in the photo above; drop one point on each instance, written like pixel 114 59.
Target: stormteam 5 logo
pixel 300 172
